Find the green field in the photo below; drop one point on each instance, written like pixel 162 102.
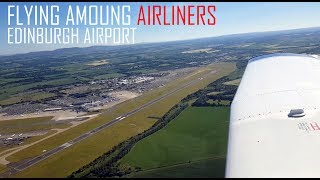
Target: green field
pixel 224 102
pixel 3 168
pixel 98 63
pixel 208 168
pixel 197 133
pixel 235 82
pixel 26 98
pixel 28 141
pixel 30 124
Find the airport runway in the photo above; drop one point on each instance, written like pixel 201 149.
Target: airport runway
pixel 28 163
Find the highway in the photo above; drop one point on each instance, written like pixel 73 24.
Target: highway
pixel 23 165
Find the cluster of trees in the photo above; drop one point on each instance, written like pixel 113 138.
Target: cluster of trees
pixel 227 92
pixel 107 164
pixel 202 102
pixel 202 96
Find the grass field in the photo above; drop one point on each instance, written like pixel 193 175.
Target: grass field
pixel 30 124
pixel 3 148
pixel 235 82
pixel 8 149
pixel 15 88
pixel 214 93
pixel 208 168
pixel 69 160
pixel 206 50
pixel 3 168
pixel 98 63
pixel 28 97
pixel 197 133
pixel 36 138
pixel 224 102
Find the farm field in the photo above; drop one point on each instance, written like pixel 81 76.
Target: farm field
pixel 197 136
pixel 208 168
pixel 25 98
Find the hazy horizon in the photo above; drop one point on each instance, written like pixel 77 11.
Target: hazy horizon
pixel 158 41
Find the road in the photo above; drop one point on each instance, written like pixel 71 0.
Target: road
pixel 28 163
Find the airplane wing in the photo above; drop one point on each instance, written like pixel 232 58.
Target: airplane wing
pixel 275 119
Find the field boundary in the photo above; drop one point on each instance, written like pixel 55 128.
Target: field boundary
pixel 182 163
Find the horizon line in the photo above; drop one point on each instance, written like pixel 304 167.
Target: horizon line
pixel 169 41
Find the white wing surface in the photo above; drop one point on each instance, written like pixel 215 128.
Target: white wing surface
pixel 263 140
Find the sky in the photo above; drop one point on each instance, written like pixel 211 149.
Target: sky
pixel 231 18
